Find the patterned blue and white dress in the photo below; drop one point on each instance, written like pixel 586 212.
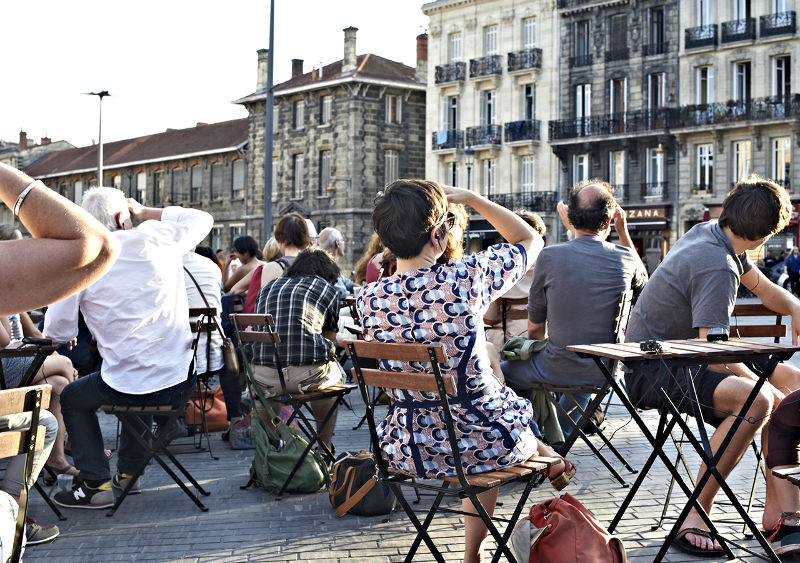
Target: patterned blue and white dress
pixel 445 304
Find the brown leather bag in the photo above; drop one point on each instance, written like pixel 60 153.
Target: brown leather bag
pixel 216 415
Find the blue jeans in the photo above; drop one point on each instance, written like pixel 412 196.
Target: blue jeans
pixel 79 403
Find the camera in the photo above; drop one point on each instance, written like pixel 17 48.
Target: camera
pixel 717 334
pixel 650 346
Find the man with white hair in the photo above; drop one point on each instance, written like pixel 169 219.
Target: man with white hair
pixel 138 312
pixel 332 241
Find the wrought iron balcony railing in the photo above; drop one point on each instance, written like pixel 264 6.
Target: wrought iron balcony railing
pixel 540 201
pixel 484 135
pixel 703 36
pixel 754 109
pixel 650 49
pixel 618 123
pixel 447 139
pixel 617 55
pixel 778 24
pixel 453 72
pixel 522 131
pixel 655 190
pixel 580 60
pixel 485 66
pixel 739 30
pixel 525 59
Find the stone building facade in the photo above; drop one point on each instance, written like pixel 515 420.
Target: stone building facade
pixel 203 167
pixel 739 110
pixel 492 87
pixel 340 134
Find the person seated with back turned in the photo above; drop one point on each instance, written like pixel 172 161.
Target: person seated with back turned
pixel 305 307
pixel 71 251
pixel 567 309
pixel 445 304
pixel 693 291
pixel 139 314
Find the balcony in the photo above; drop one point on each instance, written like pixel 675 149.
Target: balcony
pixel 617 55
pixel 754 109
pixel 485 66
pixel 655 190
pixel 447 139
pixel 525 59
pixel 619 191
pixel 613 124
pixel 580 60
pixel 781 23
pixel 453 72
pixel 704 189
pixel 739 30
pixel 522 131
pixel 703 36
pixel 651 49
pixel 484 135
pixel 539 201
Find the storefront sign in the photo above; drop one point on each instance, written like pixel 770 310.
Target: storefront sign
pixel 646 213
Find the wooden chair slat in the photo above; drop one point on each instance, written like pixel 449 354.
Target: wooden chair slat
pixel 207 311
pixel 396 351
pixel 13 401
pixel 408 381
pixel 758 331
pixel 253 319
pixel 12 442
pixel 249 336
pixel 753 310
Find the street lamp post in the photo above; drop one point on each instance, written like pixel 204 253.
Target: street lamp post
pixel 100 95
pixel 268 120
pixel 469 154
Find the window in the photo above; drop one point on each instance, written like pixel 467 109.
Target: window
pixel 116 182
pixel 197 183
pixel 391 167
pixel 275 167
pixel 324 172
pixel 393 109
pixel 705 167
pixel 705 12
pixel 655 173
pixel 276 114
pixel 216 181
pixel 326 111
pixel 781 76
pixel 528 33
pixel 216 238
pixel 452 173
pixel 583 108
pixel 158 187
pixel 490 40
pixel 741 81
pixel 141 188
pixel 528 102
pixel 177 185
pixel 582 39
pixel 454 47
pixel 741 10
pixel 781 160
pixel 616 172
pixel 236 231
pixel 527 172
pixel 580 168
pixel 489 177
pixel 655 90
pixel 656 27
pixel 781 6
pixel 741 160
pixel 297 180
pixel 238 179
pixel 618 36
pixel 299 114
pixel 705 85
pixel 619 96
pixel 78 192
pixel 488 107
pixel 450 113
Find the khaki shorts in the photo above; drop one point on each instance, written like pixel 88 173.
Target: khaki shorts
pixel 299 379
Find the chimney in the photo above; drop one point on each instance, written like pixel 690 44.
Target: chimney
pixel 23 140
pixel 350 57
pixel 313 74
pixel 263 63
pixel 422 58
pixel 297 67
pixel 45 141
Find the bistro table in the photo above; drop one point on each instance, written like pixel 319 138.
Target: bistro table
pixel 20 348
pixel 687 359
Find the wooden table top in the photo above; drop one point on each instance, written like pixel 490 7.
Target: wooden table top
pixel 684 350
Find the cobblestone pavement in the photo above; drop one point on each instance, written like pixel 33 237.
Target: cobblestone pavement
pixel 162 524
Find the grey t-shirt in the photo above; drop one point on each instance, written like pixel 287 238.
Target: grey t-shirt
pixel 694 287
pixel 576 288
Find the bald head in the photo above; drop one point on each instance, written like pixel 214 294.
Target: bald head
pixel 591 205
pixel 332 241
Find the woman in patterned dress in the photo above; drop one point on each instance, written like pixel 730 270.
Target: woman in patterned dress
pixel 426 302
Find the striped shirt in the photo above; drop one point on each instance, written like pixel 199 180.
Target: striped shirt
pixel 302 307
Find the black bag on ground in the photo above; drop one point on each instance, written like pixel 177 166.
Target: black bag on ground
pixel 355 487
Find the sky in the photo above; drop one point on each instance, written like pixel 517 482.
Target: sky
pixel 170 63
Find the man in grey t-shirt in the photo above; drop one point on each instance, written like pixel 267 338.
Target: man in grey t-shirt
pixel 694 290
pixel 575 291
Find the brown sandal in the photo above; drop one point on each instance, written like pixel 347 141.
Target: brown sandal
pixel 561 480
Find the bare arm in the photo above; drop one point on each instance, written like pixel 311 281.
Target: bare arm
pixel 774 297
pixel 5 332
pixel 270 272
pixel 69 251
pixel 28 328
pixel 241 286
pixel 536 331
pixel 238 275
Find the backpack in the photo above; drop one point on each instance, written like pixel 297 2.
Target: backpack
pixel 355 487
pixel 562 529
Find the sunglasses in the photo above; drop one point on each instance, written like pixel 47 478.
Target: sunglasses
pixel 449 220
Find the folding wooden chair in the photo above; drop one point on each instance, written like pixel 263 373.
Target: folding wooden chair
pixel 209 327
pixel 460 486
pixel 16 442
pixel 619 322
pixel 508 313
pixel 156 443
pixel 300 403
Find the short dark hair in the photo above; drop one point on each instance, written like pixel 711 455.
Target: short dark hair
pixel 532 219
pixel 246 245
pixel 756 208
pixel 314 263
pixel 208 253
pixel 291 229
pixel 406 212
pixel 591 217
